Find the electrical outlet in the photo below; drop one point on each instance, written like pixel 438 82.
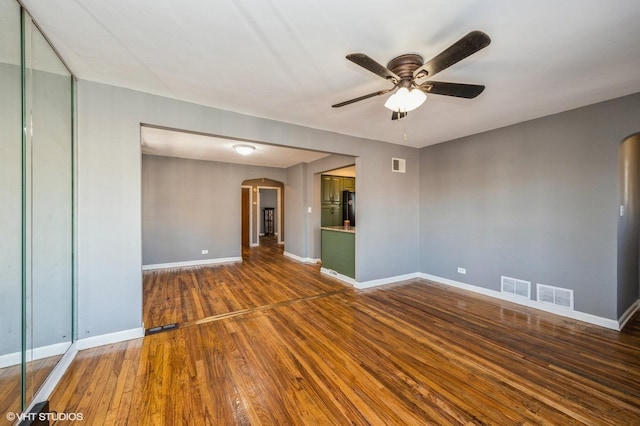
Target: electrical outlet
pixel 205 251
pixel 462 271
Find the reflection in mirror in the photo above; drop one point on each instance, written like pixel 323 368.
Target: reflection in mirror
pixel 10 211
pixel 49 204
pixel 36 209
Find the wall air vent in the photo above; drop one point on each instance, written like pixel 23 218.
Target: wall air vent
pixel 555 295
pixel 516 287
pixel 399 165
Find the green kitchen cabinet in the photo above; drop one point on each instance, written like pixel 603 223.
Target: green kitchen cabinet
pixel 331 216
pixel 349 184
pixel 331 189
pixel 339 252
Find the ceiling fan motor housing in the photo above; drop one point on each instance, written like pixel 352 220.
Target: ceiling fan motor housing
pixel 404 65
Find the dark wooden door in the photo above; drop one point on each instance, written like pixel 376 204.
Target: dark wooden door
pixel 245 217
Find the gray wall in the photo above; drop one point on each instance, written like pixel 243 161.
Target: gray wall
pixel 313 188
pixel 11 210
pixel 388 203
pixel 536 201
pixel 48 196
pixel 295 215
pixel 629 223
pixel 109 196
pixel 269 199
pixel 567 233
pixel 50 204
pixel 191 205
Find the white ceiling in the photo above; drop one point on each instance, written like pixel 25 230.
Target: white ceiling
pixel 285 59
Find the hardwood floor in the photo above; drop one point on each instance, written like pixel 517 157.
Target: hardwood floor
pixel 190 294
pixel 11 396
pixel 11 384
pixel 283 345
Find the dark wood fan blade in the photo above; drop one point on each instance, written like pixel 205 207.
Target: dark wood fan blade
pixel 361 98
pixel 459 90
pixel 367 63
pixel 466 46
pixel 395 115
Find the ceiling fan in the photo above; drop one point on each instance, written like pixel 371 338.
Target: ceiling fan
pixel 411 75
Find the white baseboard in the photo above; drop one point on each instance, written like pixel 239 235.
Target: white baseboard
pixel 13 358
pixel 49 351
pixel 191 263
pixel 301 259
pixel 339 276
pixel 110 338
pixel 577 315
pixel 622 321
pixel 41 352
pixel 54 377
pixel 383 281
pixel 72 350
pixel 369 284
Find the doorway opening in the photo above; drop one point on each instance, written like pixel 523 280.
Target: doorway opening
pixel 262 212
pixel 191 209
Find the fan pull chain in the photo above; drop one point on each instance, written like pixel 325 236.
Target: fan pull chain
pixel 404 126
pixel 400 119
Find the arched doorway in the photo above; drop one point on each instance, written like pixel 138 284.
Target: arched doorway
pixel 629 223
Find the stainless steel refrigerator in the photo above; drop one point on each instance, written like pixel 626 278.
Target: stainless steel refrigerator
pixel 349 207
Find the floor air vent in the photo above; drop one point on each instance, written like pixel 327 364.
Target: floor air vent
pixel 555 295
pixel 516 287
pixel 161 328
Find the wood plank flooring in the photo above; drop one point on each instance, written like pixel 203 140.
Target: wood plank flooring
pixel 11 381
pixel 413 353
pixel 188 294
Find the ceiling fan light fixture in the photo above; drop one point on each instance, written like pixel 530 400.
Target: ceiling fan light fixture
pixel 244 149
pixel 405 100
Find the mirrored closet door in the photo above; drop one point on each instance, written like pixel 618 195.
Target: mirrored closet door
pixel 37 214
pixel 11 349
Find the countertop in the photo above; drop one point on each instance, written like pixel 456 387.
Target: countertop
pixel 351 230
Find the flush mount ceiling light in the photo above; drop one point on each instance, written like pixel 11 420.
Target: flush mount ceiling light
pixel 244 149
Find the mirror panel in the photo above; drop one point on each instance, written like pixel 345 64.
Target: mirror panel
pixel 49 208
pixel 36 209
pixel 10 211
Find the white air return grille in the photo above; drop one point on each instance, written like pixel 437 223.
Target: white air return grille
pixel 399 165
pixel 516 287
pixel 555 295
